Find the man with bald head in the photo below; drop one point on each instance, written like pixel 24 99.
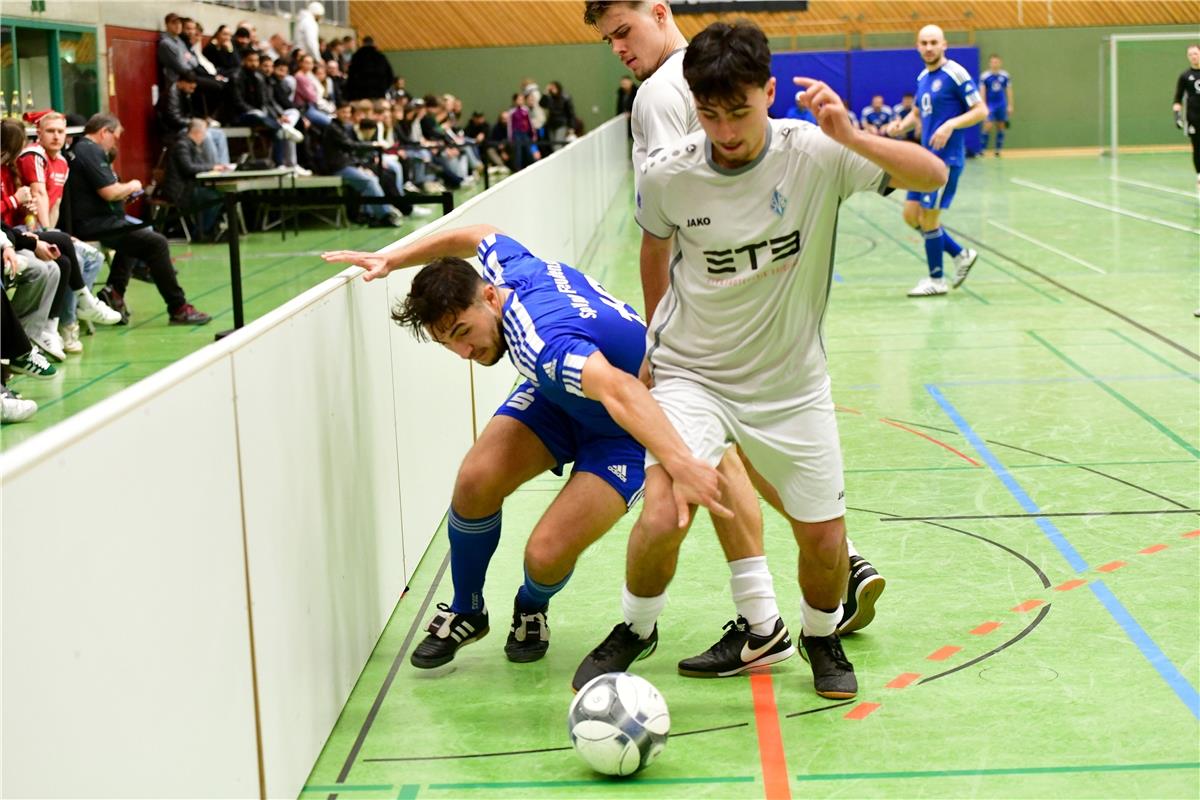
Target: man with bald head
pixel 947 102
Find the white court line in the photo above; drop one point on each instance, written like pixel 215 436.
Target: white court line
pixel 1049 247
pixel 1105 207
pixel 1155 186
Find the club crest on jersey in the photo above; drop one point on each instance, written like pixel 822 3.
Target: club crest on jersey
pixel 937 84
pixel 778 203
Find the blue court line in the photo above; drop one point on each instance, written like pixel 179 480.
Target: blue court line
pixel 1157 658
pixel 1026 502
pixel 837 276
pixel 1151 651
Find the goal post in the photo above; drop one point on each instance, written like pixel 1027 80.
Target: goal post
pixel 1151 62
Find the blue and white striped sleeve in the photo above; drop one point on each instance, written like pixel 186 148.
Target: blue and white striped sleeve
pixel 562 362
pixel 497 251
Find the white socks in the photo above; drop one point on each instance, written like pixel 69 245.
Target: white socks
pixel 850 547
pixel 641 613
pixel 818 622
pixel 754 593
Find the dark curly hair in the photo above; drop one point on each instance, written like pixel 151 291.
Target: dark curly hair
pixel 726 58
pixel 445 287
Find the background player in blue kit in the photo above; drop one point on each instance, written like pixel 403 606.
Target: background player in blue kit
pixel 998 95
pixel 875 116
pixel 578 349
pixel 947 102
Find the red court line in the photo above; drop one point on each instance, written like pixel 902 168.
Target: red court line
pixel 1069 585
pixel 1028 605
pixel 958 453
pixel 1111 566
pixel 903 679
pixel 862 710
pixel 847 410
pixel 986 628
pixel 1154 548
pixel 1191 534
pixel 942 653
pixel 770 741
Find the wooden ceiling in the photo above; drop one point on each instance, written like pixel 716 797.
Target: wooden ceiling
pixel 441 24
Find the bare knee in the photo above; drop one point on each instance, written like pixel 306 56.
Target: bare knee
pixel 547 560
pixel 478 489
pixel 912 215
pixel 822 544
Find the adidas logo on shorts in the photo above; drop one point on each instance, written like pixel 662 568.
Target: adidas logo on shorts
pixel 619 471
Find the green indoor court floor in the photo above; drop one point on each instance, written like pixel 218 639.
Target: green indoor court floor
pixel 1021 465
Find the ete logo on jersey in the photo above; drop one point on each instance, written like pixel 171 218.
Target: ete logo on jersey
pixel 780 247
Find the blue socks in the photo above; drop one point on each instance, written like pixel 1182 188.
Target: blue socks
pixel 533 596
pixel 933 252
pixel 999 139
pixel 952 247
pixel 472 544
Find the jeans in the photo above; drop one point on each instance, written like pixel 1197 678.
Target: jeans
pixel 216 146
pixel 90 262
pixel 364 182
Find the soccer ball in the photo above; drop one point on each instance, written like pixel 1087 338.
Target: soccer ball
pixel 618 723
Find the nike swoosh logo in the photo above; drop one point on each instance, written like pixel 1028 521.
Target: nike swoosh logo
pixel 754 653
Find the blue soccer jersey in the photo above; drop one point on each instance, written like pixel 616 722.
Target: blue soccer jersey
pixel 942 95
pixel 554 319
pixel 870 116
pixel 995 87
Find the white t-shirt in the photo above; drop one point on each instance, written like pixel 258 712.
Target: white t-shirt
pixel 663 111
pixel 750 280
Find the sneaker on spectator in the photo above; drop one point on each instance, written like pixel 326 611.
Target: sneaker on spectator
pixel 90 309
pixel 187 314
pixel 301 171
pixel 395 218
pixel 33 364
pixel 421 212
pixel 70 338
pixel 291 134
pixel 434 187
pixel 412 188
pixel 47 339
pixel 116 301
pixel 13 407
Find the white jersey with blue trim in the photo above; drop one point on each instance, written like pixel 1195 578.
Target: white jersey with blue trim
pixel 943 94
pixel 995 87
pixel 555 318
pixel 751 276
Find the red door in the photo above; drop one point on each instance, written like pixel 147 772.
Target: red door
pixel 133 71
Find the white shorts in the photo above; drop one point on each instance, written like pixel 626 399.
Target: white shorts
pixel 795 447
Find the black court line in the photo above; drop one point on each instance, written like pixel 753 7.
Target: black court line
pixel 818 710
pixel 1162 338
pixel 1048 514
pixel 539 749
pixel 391 676
pixel 1028 629
pixel 1083 467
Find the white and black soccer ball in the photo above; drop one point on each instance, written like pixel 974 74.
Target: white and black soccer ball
pixel 618 723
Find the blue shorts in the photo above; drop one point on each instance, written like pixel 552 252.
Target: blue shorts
pixel 618 460
pixel 914 196
pixel 943 197
pixel 998 114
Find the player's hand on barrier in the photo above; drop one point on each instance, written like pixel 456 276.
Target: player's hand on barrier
pixel 827 107
pixel 941 136
pixel 696 483
pixel 374 263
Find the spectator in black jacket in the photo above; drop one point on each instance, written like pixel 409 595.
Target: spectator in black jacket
pixel 254 104
pixel 187 159
pixel 220 52
pixel 176 110
pixel 560 116
pixel 347 157
pixel 370 73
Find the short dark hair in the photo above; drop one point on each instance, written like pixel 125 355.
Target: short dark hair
pixel 724 59
pixel 593 10
pixel 443 288
pixel 101 121
pixel 240 32
pixel 188 76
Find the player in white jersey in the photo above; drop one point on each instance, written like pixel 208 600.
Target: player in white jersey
pixel 735 345
pixel 646 39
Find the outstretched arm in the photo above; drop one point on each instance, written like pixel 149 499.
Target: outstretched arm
pixel 628 401
pixel 458 242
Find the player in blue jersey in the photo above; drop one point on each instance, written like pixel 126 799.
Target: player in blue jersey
pixel 876 116
pixel 578 349
pixel 900 111
pixel 998 94
pixel 947 102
